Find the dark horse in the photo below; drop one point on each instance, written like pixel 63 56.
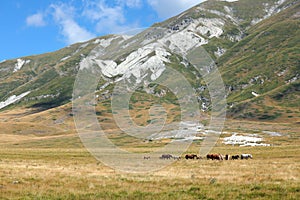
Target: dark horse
pixel 191 156
pixel 166 156
pixel 227 157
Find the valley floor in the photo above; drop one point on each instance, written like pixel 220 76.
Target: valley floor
pixel 58 167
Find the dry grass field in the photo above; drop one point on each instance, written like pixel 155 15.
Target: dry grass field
pixel 53 164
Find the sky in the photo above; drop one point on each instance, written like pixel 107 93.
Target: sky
pixel 30 27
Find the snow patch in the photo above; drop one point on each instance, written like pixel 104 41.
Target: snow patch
pixel 255 21
pixel 80 48
pixel 235 38
pixel 185 63
pixel 269 11
pixel 12 99
pixel 228 9
pixel 181 15
pixel 137 63
pixel 210 27
pixel 211 132
pixel 272 133
pixel 20 63
pixel 183 41
pixel 255 94
pixel 221 14
pixel 83 45
pixel 255 145
pixel 97 41
pixel 249 140
pixel 175 134
pixel 186 131
pixel 282 72
pixel 295 78
pixel 77 50
pixel 104 86
pixel 44 96
pixel 126 37
pixel 220 52
pixel 65 58
pixel 104 42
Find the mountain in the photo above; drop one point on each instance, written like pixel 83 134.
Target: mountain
pixel 262 70
pixel 255 45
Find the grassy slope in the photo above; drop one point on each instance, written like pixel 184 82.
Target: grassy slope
pixel 268 48
pixel 254 63
pixel 46 74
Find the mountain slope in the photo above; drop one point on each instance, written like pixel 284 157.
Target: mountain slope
pixel 262 70
pixel 254 43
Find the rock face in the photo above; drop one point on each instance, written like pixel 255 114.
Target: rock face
pixel 234 33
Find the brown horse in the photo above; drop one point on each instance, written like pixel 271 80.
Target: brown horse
pixel 191 156
pixel 214 156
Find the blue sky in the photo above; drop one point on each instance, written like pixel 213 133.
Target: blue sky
pixel 38 26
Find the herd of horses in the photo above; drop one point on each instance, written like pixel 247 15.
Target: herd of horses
pixel 228 157
pixel 208 157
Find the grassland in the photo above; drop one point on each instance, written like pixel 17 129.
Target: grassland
pixel 55 165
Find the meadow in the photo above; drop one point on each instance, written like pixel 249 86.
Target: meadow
pixel 59 167
pixel 42 157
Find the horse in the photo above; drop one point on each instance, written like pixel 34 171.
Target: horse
pixel 190 156
pixel 166 156
pixel 208 156
pixel 235 157
pixel 246 156
pixel 227 157
pixel 199 158
pixel 214 156
pixel 176 157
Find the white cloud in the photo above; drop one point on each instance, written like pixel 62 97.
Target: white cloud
pixel 170 8
pixel 109 19
pixel 71 30
pixel 130 3
pixel 35 20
